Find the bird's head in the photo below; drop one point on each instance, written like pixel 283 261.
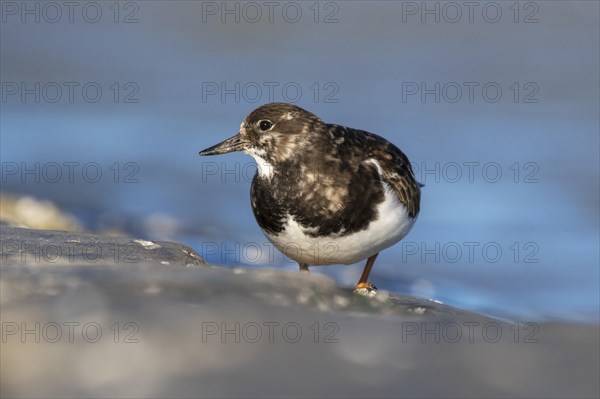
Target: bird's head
pixel 272 133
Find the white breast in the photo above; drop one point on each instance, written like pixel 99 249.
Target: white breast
pixel 391 225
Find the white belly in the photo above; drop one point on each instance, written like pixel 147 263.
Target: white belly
pixel 392 224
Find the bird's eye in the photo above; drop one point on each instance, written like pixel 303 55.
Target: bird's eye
pixel 265 125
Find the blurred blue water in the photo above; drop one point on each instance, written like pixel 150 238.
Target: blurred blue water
pixel 541 212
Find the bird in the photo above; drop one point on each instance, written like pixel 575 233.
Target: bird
pixel 325 194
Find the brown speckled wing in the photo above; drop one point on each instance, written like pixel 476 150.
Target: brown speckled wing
pixel 396 168
pixel 407 189
pixel 398 173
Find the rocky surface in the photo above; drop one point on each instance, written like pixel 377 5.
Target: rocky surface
pixel 43 247
pixel 144 328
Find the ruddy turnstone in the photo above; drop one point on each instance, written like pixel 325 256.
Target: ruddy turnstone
pixel 325 194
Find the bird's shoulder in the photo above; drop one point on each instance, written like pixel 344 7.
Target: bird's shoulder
pixel 370 150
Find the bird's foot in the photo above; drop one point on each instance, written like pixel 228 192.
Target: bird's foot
pixel 365 289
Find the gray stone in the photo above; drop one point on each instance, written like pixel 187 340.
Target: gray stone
pixel 28 246
pixel 147 329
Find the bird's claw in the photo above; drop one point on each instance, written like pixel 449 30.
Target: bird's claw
pixel 366 289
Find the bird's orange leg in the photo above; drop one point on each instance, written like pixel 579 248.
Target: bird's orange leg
pixel 362 283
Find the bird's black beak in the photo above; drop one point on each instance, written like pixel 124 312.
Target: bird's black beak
pixel 235 143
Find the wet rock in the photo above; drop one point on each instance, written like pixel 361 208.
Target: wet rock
pixel 147 329
pixel 28 246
